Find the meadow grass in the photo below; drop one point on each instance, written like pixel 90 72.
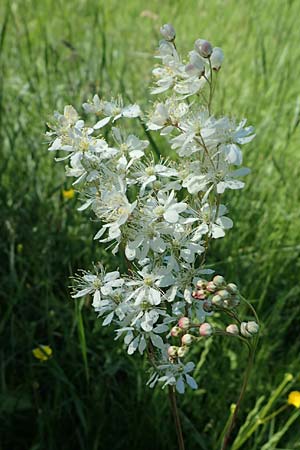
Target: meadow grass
pixel 90 395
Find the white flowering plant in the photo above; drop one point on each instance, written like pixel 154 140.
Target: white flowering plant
pixel 162 214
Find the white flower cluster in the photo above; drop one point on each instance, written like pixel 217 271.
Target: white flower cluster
pixel 161 213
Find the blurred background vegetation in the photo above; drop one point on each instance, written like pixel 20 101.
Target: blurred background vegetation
pixel 90 395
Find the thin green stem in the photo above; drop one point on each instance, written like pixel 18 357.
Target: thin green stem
pixel 172 397
pixel 227 437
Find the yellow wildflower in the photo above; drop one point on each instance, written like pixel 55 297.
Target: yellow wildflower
pixel 294 399
pixel 68 194
pixel 42 352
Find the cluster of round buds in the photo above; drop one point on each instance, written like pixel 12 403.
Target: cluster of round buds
pixel 187 339
pixel 206 50
pixel 216 293
pixel 247 329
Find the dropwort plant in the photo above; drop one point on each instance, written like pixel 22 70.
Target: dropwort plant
pixel 161 213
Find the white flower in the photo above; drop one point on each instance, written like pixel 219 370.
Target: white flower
pixel 113 110
pixel 147 173
pixel 167 115
pixel 168 208
pixel 131 148
pixel 100 285
pixel 174 374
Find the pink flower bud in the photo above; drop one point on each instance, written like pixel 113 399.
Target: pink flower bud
pixel 203 47
pixel 182 351
pixel 205 329
pixel 184 323
pixel 232 329
pixel 172 351
pixel 219 280
pixel 168 32
pixel 200 294
pixel 176 331
pixel 187 339
pixel 217 58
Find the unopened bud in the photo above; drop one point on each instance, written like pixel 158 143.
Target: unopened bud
pixel 211 287
pixel 217 58
pixel 232 329
pixel 235 301
pixel 248 329
pixel 218 280
pixel 172 351
pixel 182 351
pixel 205 329
pixel 200 294
pixel 217 300
pixel 176 331
pixel 252 327
pixel 187 339
pixel 232 288
pixel 201 284
pixel 184 323
pixel 168 32
pixel 203 47
pixel 223 294
pixel 207 306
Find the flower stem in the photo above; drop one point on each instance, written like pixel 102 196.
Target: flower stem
pixel 241 396
pixel 172 397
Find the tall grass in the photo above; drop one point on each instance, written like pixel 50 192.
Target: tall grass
pixel 90 395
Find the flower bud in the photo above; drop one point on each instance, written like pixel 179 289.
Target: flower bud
pixel 173 351
pixel 217 300
pixel 200 294
pixel 182 351
pixel 232 329
pixel 184 323
pixel 252 327
pixel 201 284
pixel 231 287
pixel 207 306
pixel 211 287
pixel 235 301
pixel 218 280
pixel 248 329
pixel 205 329
pixel 203 47
pixel 223 294
pixel 168 32
pixel 176 331
pixel 217 58
pixel 187 339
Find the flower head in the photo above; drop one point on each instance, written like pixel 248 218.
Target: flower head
pixel 42 352
pixel 68 194
pixel 294 399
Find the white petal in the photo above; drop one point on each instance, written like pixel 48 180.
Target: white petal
pixel 180 386
pixel 102 123
pixel 191 382
pixel 108 319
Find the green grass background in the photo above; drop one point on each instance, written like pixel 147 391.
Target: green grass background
pixel 91 395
